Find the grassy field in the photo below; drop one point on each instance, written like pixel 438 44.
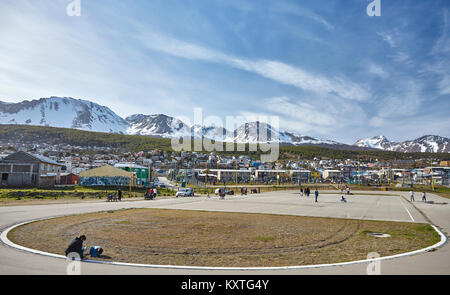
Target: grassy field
pixel 200 238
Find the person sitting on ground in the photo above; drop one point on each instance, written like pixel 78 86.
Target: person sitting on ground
pixel 424 197
pixel 76 246
pixel 95 251
pixel 343 199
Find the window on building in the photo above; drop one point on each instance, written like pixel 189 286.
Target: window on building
pixel 48 167
pixel 42 167
pixel 53 168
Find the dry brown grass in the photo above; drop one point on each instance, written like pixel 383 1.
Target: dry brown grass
pixel 178 237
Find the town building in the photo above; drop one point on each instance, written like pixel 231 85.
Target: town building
pixel 27 169
pixel 106 175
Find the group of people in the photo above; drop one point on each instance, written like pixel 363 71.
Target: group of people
pixel 112 197
pixel 243 191
pixel 76 246
pixel 152 192
pixel 306 192
pixel 424 196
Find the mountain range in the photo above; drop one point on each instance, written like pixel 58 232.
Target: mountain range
pixel 80 114
pixel 427 143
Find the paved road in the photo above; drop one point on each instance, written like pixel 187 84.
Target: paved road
pixel 359 206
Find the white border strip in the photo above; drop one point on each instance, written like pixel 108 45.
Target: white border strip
pixel 4 239
pixel 409 213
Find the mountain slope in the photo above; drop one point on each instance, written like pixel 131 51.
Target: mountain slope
pixel 67 112
pixel 156 125
pixel 376 142
pixel 63 112
pixel 427 143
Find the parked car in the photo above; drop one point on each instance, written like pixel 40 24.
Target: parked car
pixel 162 185
pixel 185 192
pixel 227 191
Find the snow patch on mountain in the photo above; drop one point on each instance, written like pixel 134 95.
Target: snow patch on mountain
pixel 63 112
pixel 427 143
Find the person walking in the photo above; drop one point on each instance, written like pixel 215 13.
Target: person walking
pixel 424 197
pixel 301 192
pixel 119 194
pixel 411 196
pixel 76 246
pixel 316 194
pixel 155 192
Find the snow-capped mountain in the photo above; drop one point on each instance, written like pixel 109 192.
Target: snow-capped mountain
pixel 63 112
pixel 376 142
pixel 254 132
pixel 427 143
pixel 257 132
pixel 211 132
pixel 156 125
pixel 294 139
pixel 67 112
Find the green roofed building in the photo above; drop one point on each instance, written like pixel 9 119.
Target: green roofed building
pixel 140 172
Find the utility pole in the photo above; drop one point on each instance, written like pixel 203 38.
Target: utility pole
pixel 432 179
pixel 131 170
pixel 389 173
pixel 236 171
pixel 358 172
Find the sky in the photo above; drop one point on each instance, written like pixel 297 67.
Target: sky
pixel 325 68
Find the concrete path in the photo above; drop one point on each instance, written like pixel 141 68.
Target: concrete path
pixel 359 206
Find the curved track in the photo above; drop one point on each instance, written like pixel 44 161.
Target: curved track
pixel 373 207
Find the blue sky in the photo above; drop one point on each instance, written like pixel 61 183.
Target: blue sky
pixel 325 68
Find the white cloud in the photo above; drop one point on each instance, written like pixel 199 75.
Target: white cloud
pixel 402 101
pixel 299 110
pixel 401 57
pixel 311 117
pixel 378 70
pixel 389 38
pixel 274 70
pixel 442 45
pixel 441 58
pixel 302 12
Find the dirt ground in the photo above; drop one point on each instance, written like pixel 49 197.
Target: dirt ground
pixel 200 238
